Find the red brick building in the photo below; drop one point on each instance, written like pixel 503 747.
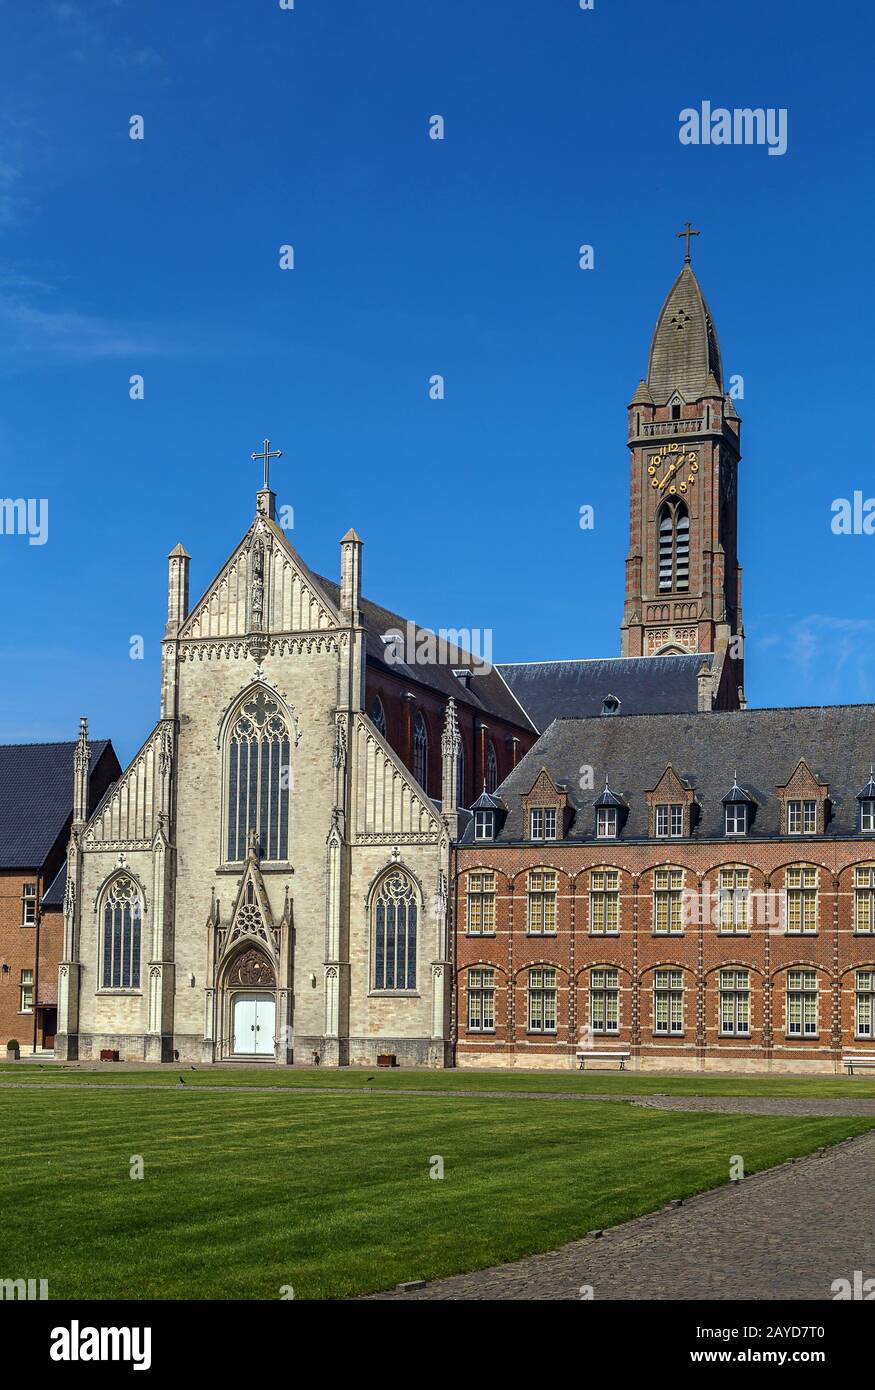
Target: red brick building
pixel 713 906
pixel 36 808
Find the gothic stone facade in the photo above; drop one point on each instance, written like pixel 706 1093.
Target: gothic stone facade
pixel 267 879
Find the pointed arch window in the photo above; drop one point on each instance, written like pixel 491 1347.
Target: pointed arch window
pixel 259 773
pixel 378 716
pixel 460 774
pixel 395 925
pixel 674 547
pixel 122 935
pixel 491 767
pixel 420 750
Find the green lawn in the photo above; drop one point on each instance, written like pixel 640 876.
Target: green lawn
pixel 354 1078
pixel 245 1192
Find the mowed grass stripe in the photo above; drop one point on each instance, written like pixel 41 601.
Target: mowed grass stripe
pixel 599 1082
pixel 245 1193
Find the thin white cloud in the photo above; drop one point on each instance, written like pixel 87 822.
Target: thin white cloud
pixel 36 332
pixel 838 654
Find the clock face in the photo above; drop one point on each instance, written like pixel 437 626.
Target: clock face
pixel 674 469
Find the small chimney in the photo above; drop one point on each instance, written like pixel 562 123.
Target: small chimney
pixel 177 587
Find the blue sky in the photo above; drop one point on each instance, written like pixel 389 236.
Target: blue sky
pixel 413 257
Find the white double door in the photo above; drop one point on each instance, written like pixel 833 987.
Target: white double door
pixel 254 1024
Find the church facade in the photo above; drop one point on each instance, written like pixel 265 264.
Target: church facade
pixel 269 879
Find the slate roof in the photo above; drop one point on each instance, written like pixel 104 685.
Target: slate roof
pixel 36 798
pixel 486 690
pixel 54 894
pixel 684 351
pixel 551 690
pixel 764 745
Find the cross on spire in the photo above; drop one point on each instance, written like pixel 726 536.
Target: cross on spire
pixel 265 457
pixel 688 232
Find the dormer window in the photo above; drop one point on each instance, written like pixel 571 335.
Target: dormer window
pixel 606 823
pixel 669 821
pixel 542 823
pixel 866 798
pixel 610 705
pixel 484 825
pixel 802 817
pixel 738 809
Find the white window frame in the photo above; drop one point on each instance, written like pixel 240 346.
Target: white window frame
pixel 864 992
pixel 864 899
pixel 547 995
pixel 674 895
pixel 604 902
pixel 736 811
pixel 25 987
pixel 542 823
pixel 802 816
pixel 666 986
pixel 542 897
pixel 604 999
pixel 606 823
pixel 480 903
pixel 739 996
pixel 733 893
pixel 805 993
pixel 669 820
pixel 480 985
pixel 484 825
pixel 867 817
pixel 805 889
pixel 28 904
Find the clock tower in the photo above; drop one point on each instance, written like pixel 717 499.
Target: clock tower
pixel 683 579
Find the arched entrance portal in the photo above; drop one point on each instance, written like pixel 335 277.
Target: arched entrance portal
pixel 250 991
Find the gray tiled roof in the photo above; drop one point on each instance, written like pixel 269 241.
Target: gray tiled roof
pixel 36 798
pixel 54 894
pixel 551 690
pixel 764 745
pixel 486 690
pixel 684 350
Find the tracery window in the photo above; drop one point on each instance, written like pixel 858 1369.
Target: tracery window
pixel 491 767
pixel 420 750
pixel 122 933
pixel 378 716
pixel 395 923
pixel 259 774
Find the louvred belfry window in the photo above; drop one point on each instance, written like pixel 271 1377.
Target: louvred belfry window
pixel 674 548
pixel 259 774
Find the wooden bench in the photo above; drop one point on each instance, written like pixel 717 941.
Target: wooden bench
pixel 851 1062
pixel 598 1052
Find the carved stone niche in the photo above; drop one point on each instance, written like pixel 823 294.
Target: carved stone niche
pixel 252 968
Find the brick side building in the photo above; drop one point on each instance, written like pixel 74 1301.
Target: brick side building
pixel 712 906
pixel 36 806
